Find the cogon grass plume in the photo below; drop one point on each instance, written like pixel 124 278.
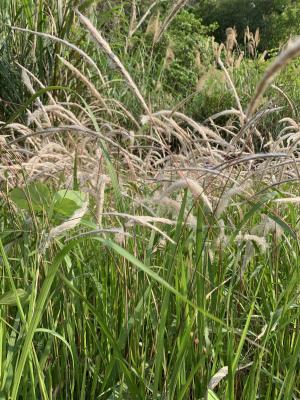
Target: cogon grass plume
pixel 238 101
pixel 177 6
pixel 239 60
pixel 27 83
pixel 153 26
pixel 195 188
pixel 251 41
pixel 226 196
pixel 87 82
pixel 291 52
pixel 113 57
pixel 231 41
pixel 198 59
pixel 103 180
pixel 170 56
pixel 35 79
pixel 143 18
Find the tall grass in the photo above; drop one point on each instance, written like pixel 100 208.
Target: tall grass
pixel 93 319
pixel 141 258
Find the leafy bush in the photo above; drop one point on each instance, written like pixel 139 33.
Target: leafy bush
pixel 274 18
pixel 187 35
pixel 282 26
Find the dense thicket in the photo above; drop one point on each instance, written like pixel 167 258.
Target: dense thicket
pixel 277 19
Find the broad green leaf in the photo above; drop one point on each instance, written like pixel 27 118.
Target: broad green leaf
pixel 18 196
pixel 36 196
pixel 66 202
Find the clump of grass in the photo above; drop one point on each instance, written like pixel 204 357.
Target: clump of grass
pixel 177 281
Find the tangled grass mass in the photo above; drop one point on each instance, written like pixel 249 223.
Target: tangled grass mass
pixel 149 243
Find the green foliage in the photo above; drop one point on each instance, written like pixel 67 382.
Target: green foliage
pixel 277 19
pixel 11 90
pixel 284 25
pixel 81 322
pixel 186 35
pixel 211 395
pixel 213 96
pixel 66 202
pixel 37 197
pixel 9 298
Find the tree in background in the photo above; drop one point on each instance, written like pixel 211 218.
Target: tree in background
pixel 276 19
pixel 283 26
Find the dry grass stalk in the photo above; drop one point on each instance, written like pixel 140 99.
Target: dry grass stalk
pixel 259 240
pixel 174 206
pixel 133 17
pixel 251 123
pixel 273 86
pixel 238 102
pixel 230 45
pixel 203 130
pixel 34 78
pixel 258 235
pixel 217 49
pixel 102 182
pixel 289 200
pixel 201 82
pixel 58 111
pixel 230 60
pixel 227 195
pixel 145 220
pixel 83 130
pixel 154 26
pixel 169 18
pixel 266 226
pixel 169 58
pixel 195 188
pixel 231 42
pixel 119 233
pixel 221 114
pixel 132 25
pixel 251 41
pixel 144 17
pixel 291 52
pixel 238 61
pixel 115 59
pixel 257 37
pixel 126 113
pixel 88 83
pixel 65 43
pixel 71 223
pixel 198 59
pixel 26 80
pixel 194 148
